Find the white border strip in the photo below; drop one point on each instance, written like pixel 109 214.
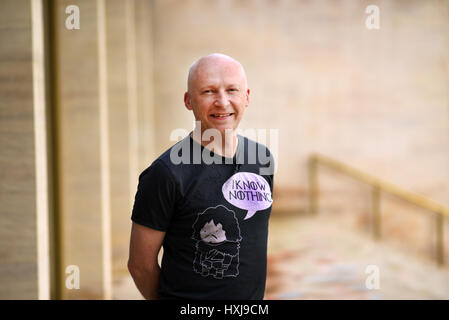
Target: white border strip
pixel 104 151
pixel 40 151
pixel 133 124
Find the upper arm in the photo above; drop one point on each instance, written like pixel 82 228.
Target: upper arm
pixel 156 197
pixel 144 246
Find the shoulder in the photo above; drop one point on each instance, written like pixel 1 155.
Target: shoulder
pixel 258 153
pixel 254 145
pixel 156 173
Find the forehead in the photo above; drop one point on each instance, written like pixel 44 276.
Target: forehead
pixel 218 71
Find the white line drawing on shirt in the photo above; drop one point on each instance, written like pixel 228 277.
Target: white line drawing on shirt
pixel 217 234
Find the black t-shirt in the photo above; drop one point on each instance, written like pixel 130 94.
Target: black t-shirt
pixel 215 213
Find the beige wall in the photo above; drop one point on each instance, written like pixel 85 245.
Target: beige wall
pixel 376 99
pixel 129 56
pixel 104 123
pixel 24 246
pixel 18 228
pixel 79 149
pixel 119 129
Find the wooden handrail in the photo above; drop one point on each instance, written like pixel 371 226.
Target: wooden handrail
pixel 378 186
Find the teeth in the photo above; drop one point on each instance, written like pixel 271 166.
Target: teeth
pixel 222 115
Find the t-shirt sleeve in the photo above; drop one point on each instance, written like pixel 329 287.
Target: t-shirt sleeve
pixel 155 198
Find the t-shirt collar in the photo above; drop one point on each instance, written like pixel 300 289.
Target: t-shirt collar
pixel 228 160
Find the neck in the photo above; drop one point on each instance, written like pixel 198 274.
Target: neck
pixel 226 146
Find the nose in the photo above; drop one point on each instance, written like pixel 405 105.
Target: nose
pixel 221 99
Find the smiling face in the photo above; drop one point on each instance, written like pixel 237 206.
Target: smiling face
pixel 217 92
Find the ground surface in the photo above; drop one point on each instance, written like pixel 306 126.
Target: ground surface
pixel 325 258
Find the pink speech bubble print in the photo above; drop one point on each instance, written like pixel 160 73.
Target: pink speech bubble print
pixel 248 191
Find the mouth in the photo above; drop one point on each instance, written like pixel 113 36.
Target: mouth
pixel 221 116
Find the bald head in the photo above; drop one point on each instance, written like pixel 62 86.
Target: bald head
pixel 217 92
pixel 210 63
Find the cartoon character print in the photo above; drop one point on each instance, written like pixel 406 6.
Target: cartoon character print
pixel 217 235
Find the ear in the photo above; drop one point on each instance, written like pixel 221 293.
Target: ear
pixel 187 101
pixel 247 97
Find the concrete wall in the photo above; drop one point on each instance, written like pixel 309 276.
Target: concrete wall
pixel 131 147
pixel 104 120
pixel 374 99
pixel 99 110
pixel 24 245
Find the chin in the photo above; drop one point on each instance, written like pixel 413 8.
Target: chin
pixel 222 129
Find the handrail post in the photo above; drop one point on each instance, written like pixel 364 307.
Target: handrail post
pixel 313 185
pixel 378 186
pixel 376 212
pixel 440 240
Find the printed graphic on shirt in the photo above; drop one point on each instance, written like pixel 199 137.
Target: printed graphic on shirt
pixel 248 191
pixel 217 235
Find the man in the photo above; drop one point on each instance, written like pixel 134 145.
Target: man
pixel 211 217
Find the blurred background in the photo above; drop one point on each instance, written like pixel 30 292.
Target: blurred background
pixel 359 97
